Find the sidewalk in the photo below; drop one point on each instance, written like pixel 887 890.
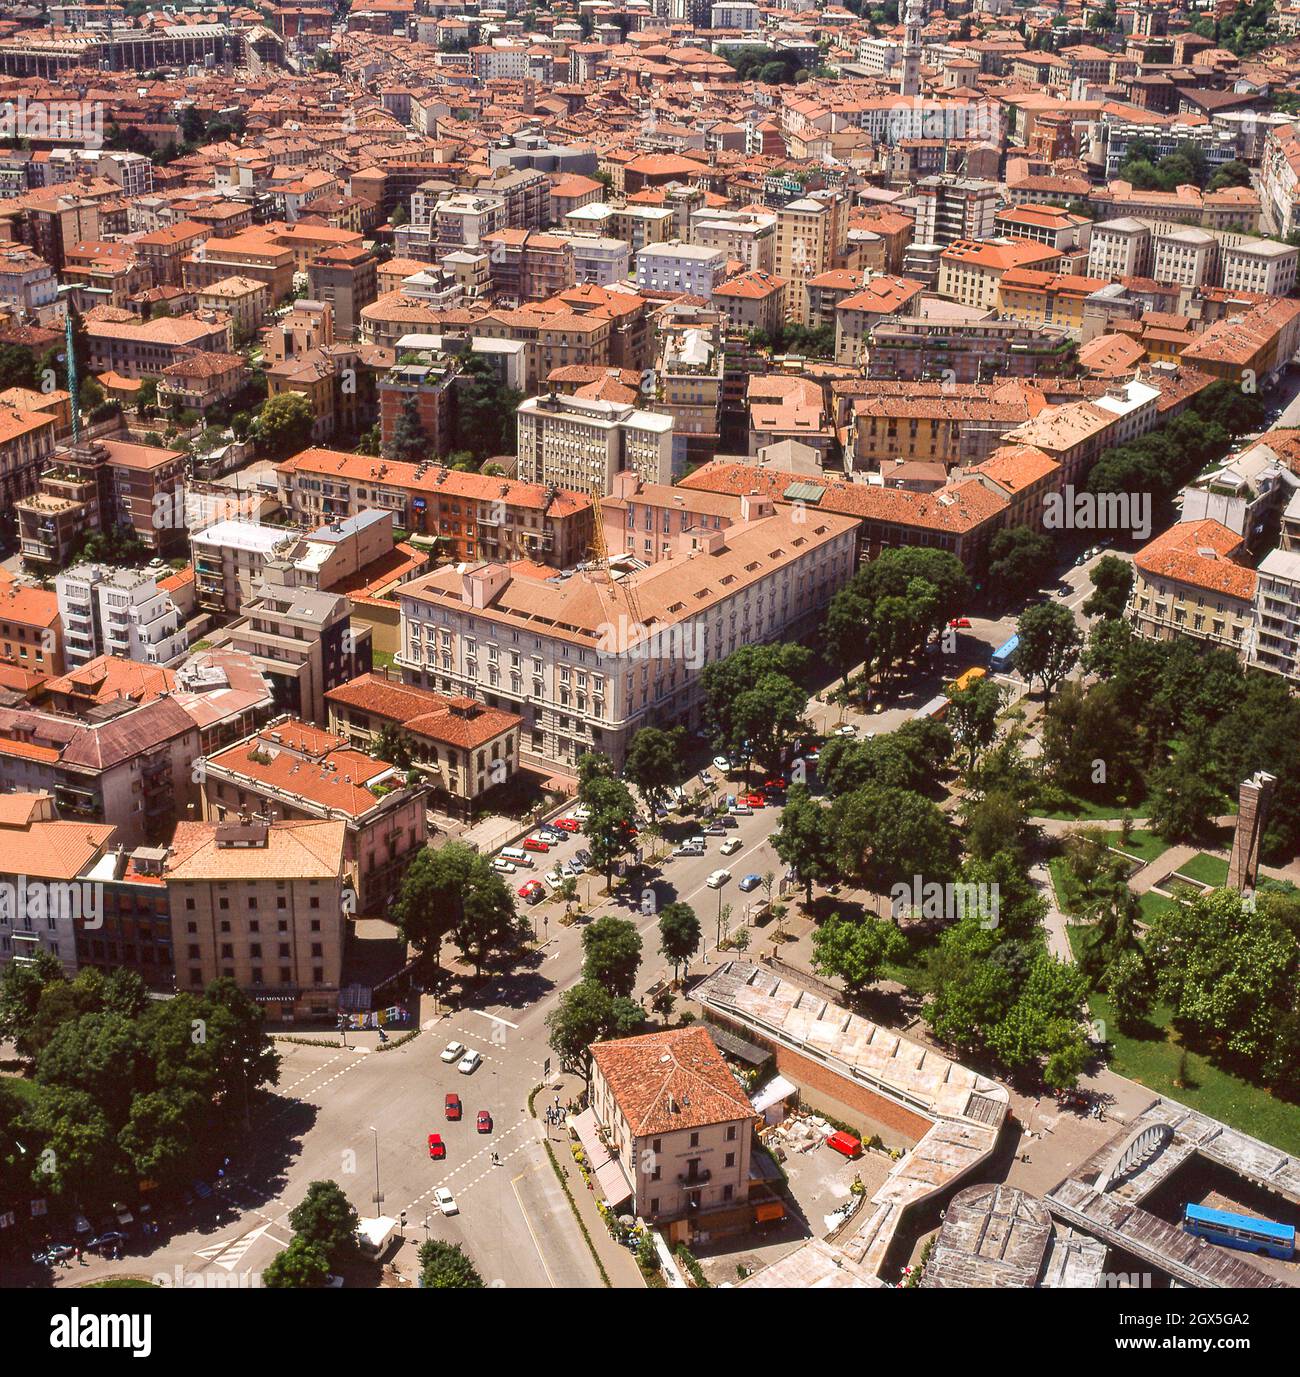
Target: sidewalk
pixel 618 1262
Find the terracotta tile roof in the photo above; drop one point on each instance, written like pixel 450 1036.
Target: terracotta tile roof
pixel 455 721
pixel 294 851
pixel 673 1080
pixel 28 606
pixel 112 676
pixel 52 850
pixel 1200 554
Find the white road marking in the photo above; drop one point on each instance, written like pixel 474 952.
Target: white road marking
pixel 495 1019
pixel 228 1254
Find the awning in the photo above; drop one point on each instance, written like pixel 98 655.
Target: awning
pixel 736 1046
pixel 775 1092
pixel 767 1210
pixel 611 1182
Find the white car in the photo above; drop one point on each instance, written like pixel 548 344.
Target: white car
pixel 446 1201
pixel 453 1051
pixel 553 878
pixel 720 762
pixel 718 879
pixel 848 729
pixel 582 812
pixel 505 867
pixel 692 846
pixel 469 1063
pixel 731 846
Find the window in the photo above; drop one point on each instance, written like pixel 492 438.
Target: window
pixel 695 1140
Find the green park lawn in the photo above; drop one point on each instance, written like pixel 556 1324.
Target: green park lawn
pixel 1085 810
pixel 121 1284
pixel 1152 904
pixel 1152 1059
pixel 1210 870
pixel 1146 845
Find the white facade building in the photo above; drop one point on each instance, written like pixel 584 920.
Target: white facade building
pixel 119 612
pixel 582 442
pixel 677 267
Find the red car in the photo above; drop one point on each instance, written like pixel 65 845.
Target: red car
pixel 756 800
pixel 775 785
pixel 484 1121
pixel 437 1148
pixel 532 891
pixel 567 824
pixel 536 844
pixel 960 623
pixel 845 1143
pixel 453 1106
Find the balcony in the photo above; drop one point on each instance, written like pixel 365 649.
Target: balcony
pixel 699 1177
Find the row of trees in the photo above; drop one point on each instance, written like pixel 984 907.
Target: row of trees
pixel 123 1088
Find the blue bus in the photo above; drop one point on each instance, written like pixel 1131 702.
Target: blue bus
pixel 1003 658
pixel 1240 1231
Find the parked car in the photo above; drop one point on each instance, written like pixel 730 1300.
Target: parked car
pixel 554 878
pixel 469 1063
pixel 568 824
pixel 756 800
pixel 740 809
pixel 582 856
pixel 484 1124
pixel 536 844
pixel 572 868
pixel 731 846
pixel 960 623
pixel 453 1106
pixel 750 882
pixel 504 867
pixel 705 777
pixel 846 729
pixel 455 1050
pixel 845 1143
pixel 437 1148
pixel 775 785
pixel 720 762
pixel 113 1238
pixel 446 1201
pixel 692 846
pixel 718 879
pixel 715 829
pixel 532 891
pixel 726 820
pixel 582 812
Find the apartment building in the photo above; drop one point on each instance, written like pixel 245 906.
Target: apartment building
pixel 261 904
pixel 28 287
pixel 1119 248
pixel 31 630
pixel 693 269
pixel 586 660
pixel 1188 582
pixel 1186 256
pixel 1046 298
pixel 1258 265
pixel 953 208
pixel 748 236
pixel 463 220
pixel 1050 225
pixel 26 444
pixel 302 641
pixel 1279 179
pixel 859 312
pixel 460 747
pixel 244 299
pixel 810 237
pixel 144 348
pixel 752 300
pixel 130 765
pixel 345 278
pixel 163 251
pixel 1276 642
pixel 111 611
pixel 647 520
pixel 1256 344
pixel 288 770
pixel 39 850
pixel 953 424
pixel 526 265
pixel 678 1127
pixel 474 516
pixel 970 271
pixel 251 253
pixel 1076 433
pixel 580 443
pixel 598 258
pixel 905 350
pixel 229 559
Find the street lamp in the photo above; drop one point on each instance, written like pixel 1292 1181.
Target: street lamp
pixel 379 1197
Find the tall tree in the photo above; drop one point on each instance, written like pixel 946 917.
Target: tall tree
pixel 679 934
pixel 612 954
pixel 856 949
pixel 804 839
pixel 1049 644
